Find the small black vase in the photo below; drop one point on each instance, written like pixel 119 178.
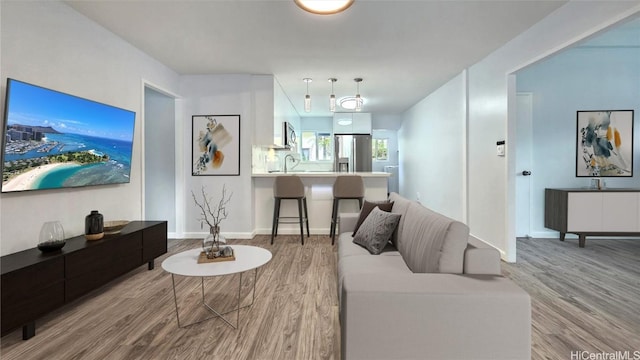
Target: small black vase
pixel 94 226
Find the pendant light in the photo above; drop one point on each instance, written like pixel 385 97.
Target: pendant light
pixel 332 98
pixel 358 98
pixel 307 98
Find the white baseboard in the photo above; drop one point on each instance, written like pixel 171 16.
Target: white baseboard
pixel 230 235
pixel 556 235
pixel 478 242
pixel 550 234
pixel 294 231
pixel 249 235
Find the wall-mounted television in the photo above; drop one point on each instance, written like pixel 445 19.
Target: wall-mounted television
pixel 55 140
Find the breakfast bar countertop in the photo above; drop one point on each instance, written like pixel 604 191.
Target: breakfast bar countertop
pixel 329 174
pixel 319 194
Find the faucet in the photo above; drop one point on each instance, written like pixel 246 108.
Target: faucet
pixel 288 156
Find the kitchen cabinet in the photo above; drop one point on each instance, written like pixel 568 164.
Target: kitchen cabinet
pixel 352 123
pixel 591 212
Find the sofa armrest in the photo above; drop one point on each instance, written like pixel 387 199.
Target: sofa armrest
pixel 434 316
pixel 481 261
pixel 347 222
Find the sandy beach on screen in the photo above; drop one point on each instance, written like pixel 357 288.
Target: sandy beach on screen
pixel 26 181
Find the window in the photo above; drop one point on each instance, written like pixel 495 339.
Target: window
pixel 316 146
pixel 380 149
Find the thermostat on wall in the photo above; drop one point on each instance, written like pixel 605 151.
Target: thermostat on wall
pixel 500 148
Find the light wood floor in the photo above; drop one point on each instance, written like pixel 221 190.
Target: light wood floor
pixel 582 299
pixel 295 314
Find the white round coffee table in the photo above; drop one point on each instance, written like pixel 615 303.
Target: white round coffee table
pixel 186 264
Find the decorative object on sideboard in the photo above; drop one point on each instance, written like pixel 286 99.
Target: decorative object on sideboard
pixel 213 216
pixel 94 226
pixel 51 237
pixel 114 226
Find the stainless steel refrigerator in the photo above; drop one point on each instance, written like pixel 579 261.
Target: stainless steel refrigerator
pixel 352 153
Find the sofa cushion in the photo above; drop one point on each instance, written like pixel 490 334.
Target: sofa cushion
pixel 366 209
pixel 369 264
pixel 400 206
pixel 431 242
pixel 346 247
pixel 376 230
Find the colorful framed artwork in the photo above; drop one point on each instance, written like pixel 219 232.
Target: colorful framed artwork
pixel 215 145
pixel 604 146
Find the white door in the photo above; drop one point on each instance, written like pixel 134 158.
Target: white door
pixel 524 135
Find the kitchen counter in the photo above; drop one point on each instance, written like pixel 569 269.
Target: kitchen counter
pixel 331 174
pixel 319 190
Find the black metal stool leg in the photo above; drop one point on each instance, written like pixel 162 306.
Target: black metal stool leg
pixel 334 221
pixel 276 216
pixel 306 215
pixel 301 220
pixel 334 215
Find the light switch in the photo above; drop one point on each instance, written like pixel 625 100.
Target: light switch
pixel 500 150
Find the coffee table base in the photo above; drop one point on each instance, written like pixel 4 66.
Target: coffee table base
pixel 212 310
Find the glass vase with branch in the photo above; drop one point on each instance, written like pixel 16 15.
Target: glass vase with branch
pixel 212 214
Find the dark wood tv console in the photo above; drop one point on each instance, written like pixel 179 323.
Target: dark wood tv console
pixel 34 283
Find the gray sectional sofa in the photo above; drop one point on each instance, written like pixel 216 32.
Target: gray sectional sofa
pixel 401 304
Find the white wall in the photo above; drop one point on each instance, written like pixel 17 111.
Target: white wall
pixel 578 79
pixel 492 178
pixel 49 44
pixel 491 186
pixel 263 98
pixel 283 111
pixel 221 94
pixel 432 150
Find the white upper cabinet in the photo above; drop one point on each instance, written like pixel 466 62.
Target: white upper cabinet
pixel 352 123
pixel 362 123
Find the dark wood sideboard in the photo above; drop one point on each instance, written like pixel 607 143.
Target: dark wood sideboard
pixel 34 283
pixel 592 212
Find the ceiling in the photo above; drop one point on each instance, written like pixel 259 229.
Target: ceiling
pixel 403 50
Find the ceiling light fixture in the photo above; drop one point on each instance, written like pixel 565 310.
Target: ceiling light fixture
pixel 307 98
pixel 324 7
pixel 358 98
pixel 349 102
pixel 332 98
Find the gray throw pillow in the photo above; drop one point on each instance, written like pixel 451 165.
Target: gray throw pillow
pixel 366 209
pixel 376 230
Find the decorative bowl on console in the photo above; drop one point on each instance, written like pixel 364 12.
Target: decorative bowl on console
pixel 115 226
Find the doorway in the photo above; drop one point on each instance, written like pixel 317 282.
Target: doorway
pixel 524 141
pixel 159 158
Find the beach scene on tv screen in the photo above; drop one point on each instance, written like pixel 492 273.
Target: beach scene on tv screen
pixel 55 140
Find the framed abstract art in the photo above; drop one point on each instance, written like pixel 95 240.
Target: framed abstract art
pixel 215 145
pixel 604 143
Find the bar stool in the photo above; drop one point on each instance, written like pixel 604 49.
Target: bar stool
pixel 289 187
pixel 345 187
